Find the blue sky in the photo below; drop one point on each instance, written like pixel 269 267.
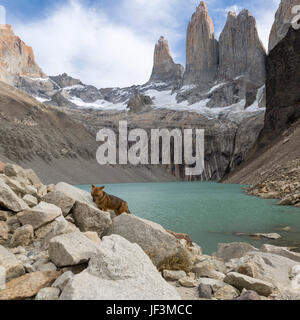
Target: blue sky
pixel 110 43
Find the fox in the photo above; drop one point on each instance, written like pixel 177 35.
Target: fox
pixel 106 201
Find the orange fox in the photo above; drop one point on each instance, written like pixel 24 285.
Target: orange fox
pixel 106 201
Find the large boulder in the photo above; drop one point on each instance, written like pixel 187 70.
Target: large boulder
pixel 165 251
pixel 13 267
pixel 89 218
pixel 61 200
pixel 281 251
pixel 228 251
pixel 270 267
pixel 71 249
pixel 241 282
pixel 86 215
pixel 39 215
pixel 28 285
pixel 119 271
pixel 74 193
pixel 9 200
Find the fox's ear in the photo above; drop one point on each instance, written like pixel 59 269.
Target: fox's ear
pixel 102 188
pixel 93 187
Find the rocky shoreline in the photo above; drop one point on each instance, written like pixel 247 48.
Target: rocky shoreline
pixel 56 245
pixel 282 184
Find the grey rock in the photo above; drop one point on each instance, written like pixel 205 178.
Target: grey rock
pixel 213 283
pixel 228 251
pixel 226 293
pixel 282 23
pixel 171 275
pixel 61 200
pixel 159 245
pixel 3 215
pixel 29 268
pixel 93 236
pixel 40 215
pixel 48 294
pixel 240 50
pixel 63 280
pixel 188 282
pixel 33 178
pixel 71 249
pixel 164 68
pixel 281 251
pixel 205 291
pixel 249 295
pixel 49 266
pixel 9 200
pixel 132 277
pixel 3 232
pixel 89 218
pixel 22 236
pixel 201 49
pixel 13 267
pixel 13 170
pixel 241 282
pixel 270 267
pixel 30 200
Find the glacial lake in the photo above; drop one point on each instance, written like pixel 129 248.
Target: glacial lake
pixel 209 212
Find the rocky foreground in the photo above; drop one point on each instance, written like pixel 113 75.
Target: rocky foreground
pixel 56 245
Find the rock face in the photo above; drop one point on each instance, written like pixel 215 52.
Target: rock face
pixel 240 50
pixel 282 86
pixel 132 277
pixel 65 80
pixel 201 49
pixel 164 68
pixel 16 58
pixel 139 103
pixel 282 23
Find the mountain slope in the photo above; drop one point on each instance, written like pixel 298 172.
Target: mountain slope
pixel 55 146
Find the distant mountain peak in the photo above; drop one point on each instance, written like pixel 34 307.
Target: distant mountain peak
pixel 164 67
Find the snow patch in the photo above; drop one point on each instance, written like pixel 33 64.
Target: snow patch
pixel 259 97
pixel 42 100
pixel 99 104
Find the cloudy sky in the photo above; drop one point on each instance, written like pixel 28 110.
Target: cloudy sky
pixel 110 43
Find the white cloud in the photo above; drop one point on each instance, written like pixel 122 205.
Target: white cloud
pixel 84 43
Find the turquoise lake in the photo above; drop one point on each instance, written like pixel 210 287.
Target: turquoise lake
pixel 209 212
